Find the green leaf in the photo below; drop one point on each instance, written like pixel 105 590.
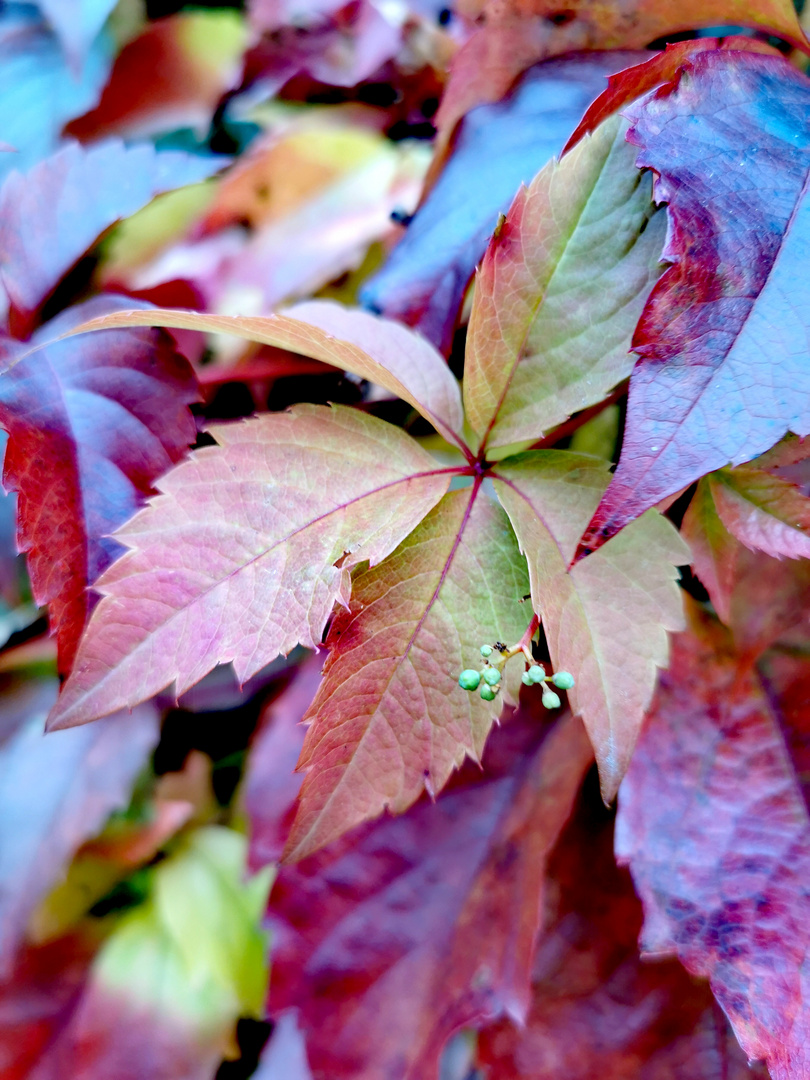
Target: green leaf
pixel 390 719
pixel 606 619
pixel 560 291
pixel 246 551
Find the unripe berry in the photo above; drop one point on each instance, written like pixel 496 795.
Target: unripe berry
pixel 563 679
pixel 469 679
pixel 486 650
pixel 487 693
pixel 491 676
pixel 536 673
pixel 526 679
pixel 550 700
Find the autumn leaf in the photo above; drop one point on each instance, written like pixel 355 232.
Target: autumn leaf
pixel 376 349
pixel 498 147
pixel 246 551
pixel 63 789
pixel 598 1008
pixel 606 619
pixel 731 149
pixel 413 927
pixel 758 597
pixel 76 22
pixel 763 511
pixel 73 196
pixel 550 328
pixel 714 825
pixel 92 423
pixel 389 719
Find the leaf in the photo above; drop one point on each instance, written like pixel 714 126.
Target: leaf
pixel 171 75
pixel 763 511
pixel 714 825
pixel 50 216
pixel 516 35
pixel 416 926
pixel 168 985
pixel 390 719
pixel 625 86
pixel 271 784
pixel 92 423
pixel 605 620
pixel 560 290
pixel 701 396
pixel 759 598
pixel 376 349
pixel 499 146
pixel 76 22
pixel 58 791
pixel 597 1008
pixel 284 1055
pixel 246 551
pixel 38 91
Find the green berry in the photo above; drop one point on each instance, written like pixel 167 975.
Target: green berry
pixel 526 679
pixel 491 676
pixel 486 650
pixel 563 679
pixel 536 673
pixel 487 693
pixel 550 700
pixel 469 679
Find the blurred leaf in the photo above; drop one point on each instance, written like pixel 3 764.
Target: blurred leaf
pixel 58 791
pixel 403 933
pixel 70 199
pixel 172 75
pixel 92 423
pixel 76 22
pixel 285 1055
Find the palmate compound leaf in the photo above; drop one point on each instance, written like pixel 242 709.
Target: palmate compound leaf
pixel 713 822
pixel 607 618
pixel 376 349
pixel 389 719
pixel 245 552
pixel 724 361
pixel 413 927
pixel 92 423
pixel 560 291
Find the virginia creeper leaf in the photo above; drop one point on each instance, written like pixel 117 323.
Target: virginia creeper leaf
pixel 730 144
pixel 758 597
pixel 560 290
pixel 499 147
pixel 715 828
pixel 395 937
pixel 246 551
pixel 92 423
pixel 605 620
pixel 390 719
pixel 51 215
pixel 376 349
pixel 597 1008
pixel 58 791
pixel 763 511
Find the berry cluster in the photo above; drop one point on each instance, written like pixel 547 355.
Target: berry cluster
pixel 489 676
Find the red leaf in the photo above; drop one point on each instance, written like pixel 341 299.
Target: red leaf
pixel 51 215
pixel 731 147
pixel 246 551
pixel 92 423
pixel 57 791
pixel 715 827
pixel 389 942
pixel 598 1010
